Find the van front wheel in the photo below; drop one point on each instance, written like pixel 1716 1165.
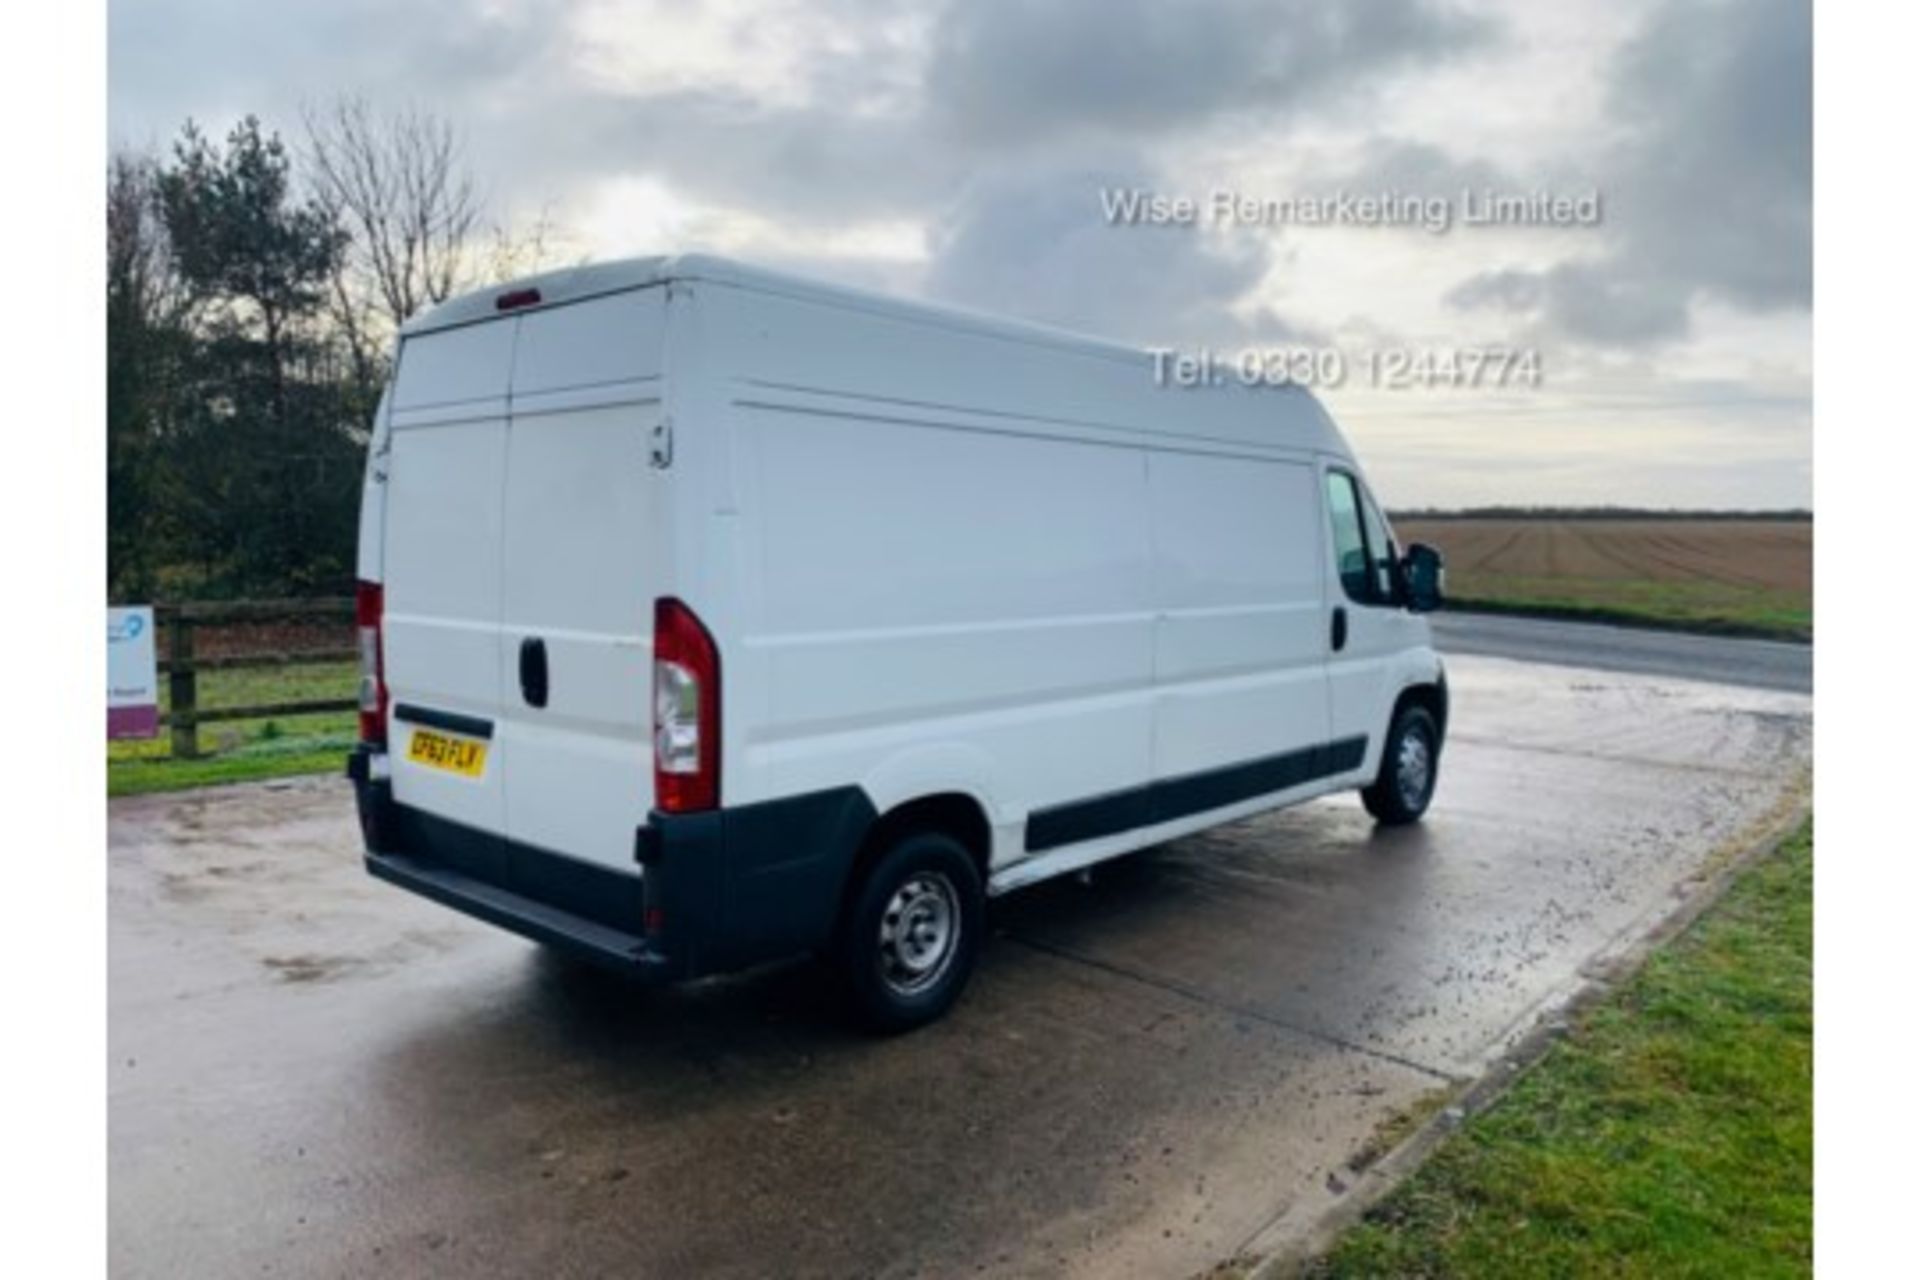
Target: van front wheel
pixel 1409 768
pixel 911 932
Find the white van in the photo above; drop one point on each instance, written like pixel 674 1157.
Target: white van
pixel 710 616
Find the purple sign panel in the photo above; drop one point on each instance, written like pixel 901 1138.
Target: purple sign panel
pixel 133 685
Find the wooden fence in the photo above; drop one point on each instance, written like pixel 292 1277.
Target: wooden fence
pixel 178 622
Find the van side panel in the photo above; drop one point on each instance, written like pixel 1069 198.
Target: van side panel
pixel 962 544
pixel 1241 638
pixel 925 584
pixel 370 552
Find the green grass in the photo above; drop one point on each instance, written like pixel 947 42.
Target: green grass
pixel 1670 1134
pixel 243 750
pixel 1700 606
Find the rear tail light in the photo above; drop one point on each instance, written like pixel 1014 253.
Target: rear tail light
pixel 369 602
pixel 686 711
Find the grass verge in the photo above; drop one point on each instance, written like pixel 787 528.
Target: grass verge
pixel 1714 608
pixel 1670 1133
pixel 245 750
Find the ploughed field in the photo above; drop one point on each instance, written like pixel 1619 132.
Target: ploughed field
pixel 1740 576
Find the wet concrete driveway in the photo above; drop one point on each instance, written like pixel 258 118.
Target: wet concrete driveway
pixel 314 1074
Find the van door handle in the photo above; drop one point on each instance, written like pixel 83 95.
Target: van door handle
pixel 1339 628
pixel 533 671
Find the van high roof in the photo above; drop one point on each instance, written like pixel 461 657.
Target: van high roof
pixel 1231 408
pixel 595 279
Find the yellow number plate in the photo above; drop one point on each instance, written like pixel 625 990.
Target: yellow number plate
pixel 463 756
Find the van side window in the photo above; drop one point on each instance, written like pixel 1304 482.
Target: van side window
pixel 1349 539
pixel 1380 550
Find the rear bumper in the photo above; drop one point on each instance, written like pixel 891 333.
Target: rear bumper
pixel 708 892
pixel 529 917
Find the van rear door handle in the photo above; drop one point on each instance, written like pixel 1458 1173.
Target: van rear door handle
pixel 1339 628
pixel 533 671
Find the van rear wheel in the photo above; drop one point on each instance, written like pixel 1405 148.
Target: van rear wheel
pixel 1409 769
pixel 911 933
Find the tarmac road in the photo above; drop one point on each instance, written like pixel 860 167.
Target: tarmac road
pixel 314 1074
pixel 1760 664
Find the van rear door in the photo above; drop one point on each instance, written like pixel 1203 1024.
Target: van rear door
pixel 523 551
pixel 583 560
pixel 446 469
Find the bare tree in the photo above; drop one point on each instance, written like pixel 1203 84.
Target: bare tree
pixel 529 247
pixel 399 184
pixel 140 270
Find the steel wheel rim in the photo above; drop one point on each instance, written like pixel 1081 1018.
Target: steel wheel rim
pixel 919 933
pixel 1413 768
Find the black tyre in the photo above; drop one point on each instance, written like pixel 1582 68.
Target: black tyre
pixel 911 932
pixel 1409 769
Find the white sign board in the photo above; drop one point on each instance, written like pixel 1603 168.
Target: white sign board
pixel 133 685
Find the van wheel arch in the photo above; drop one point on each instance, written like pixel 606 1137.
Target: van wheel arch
pixel 1430 694
pixel 952 813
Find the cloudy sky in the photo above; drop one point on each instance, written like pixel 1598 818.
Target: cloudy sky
pixel 959 150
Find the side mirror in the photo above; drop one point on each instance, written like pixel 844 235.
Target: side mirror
pixel 1424 571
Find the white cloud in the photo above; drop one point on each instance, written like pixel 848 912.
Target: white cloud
pixel 772 52
pixel 636 216
pixel 956 147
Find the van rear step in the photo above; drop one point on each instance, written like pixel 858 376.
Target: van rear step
pixel 589 939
